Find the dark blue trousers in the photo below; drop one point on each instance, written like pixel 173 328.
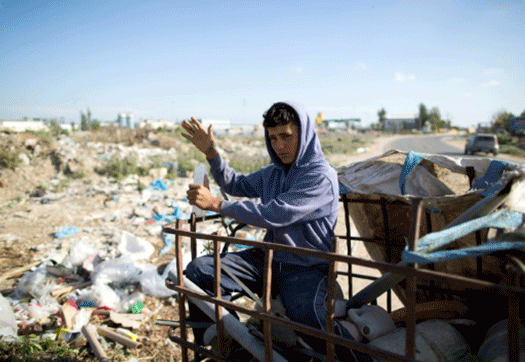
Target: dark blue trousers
pixel 302 290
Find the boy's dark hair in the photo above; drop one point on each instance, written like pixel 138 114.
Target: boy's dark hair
pixel 280 114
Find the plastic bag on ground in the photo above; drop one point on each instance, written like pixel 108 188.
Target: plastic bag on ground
pixel 153 284
pixel 117 271
pixel 66 231
pixel 31 284
pixel 169 241
pixel 78 252
pixel 8 326
pixel 134 247
pixel 113 284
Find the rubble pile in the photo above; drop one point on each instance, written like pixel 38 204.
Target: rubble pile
pixel 105 258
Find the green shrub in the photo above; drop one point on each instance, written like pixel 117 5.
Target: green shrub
pixel 62 184
pixel 9 159
pixel 187 162
pixel 45 138
pixel 512 150
pixel 119 168
pixel 340 142
pixel 247 165
pixel 504 140
pixel 33 348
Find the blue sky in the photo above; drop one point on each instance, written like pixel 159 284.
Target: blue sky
pixel 233 59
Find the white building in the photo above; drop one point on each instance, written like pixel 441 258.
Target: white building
pixel 22 126
pixel 156 125
pixel 404 122
pixel 218 124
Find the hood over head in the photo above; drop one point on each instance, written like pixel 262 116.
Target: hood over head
pixel 309 146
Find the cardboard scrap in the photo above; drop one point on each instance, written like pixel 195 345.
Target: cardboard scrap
pixel 69 312
pixel 127 320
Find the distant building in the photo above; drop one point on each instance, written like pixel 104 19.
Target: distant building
pixel 402 123
pixel 344 124
pixel 156 125
pixel 244 130
pixel 220 126
pixel 22 126
pixel 126 120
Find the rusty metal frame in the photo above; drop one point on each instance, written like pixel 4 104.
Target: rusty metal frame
pixel 412 273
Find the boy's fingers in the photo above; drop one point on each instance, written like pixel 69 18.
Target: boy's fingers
pixel 187 136
pixel 196 123
pixel 187 125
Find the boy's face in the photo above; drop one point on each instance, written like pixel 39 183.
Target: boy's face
pixel 285 142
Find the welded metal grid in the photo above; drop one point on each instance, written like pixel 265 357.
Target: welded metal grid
pixel 511 290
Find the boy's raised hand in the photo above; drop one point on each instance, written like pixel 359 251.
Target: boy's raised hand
pixel 197 135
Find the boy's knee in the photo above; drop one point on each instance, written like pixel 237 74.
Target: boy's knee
pixel 196 269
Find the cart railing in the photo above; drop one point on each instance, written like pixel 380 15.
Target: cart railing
pixel 411 273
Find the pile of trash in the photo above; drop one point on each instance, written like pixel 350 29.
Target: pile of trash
pixel 105 272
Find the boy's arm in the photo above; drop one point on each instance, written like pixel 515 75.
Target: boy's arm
pixel 303 201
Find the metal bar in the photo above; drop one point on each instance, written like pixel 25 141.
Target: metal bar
pixel 193 240
pixel 247 290
pixel 457 280
pixel 384 212
pixel 417 210
pixel 389 356
pixel 358 200
pixel 465 282
pixel 330 303
pixel 218 294
pixel 231 324
pixel 430 266
pixel 198 349
pixel 358 238
pixel 267 304
pixel 348 241
pixel 182 296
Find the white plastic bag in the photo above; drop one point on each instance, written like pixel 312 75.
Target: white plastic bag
pixel 8 327
pixel 153 284
pixel 134 247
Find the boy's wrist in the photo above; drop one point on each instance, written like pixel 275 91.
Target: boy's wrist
pixel 211 153
pixel 216 205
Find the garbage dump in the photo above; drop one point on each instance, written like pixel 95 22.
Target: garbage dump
pixel 101 277
pixel 94 277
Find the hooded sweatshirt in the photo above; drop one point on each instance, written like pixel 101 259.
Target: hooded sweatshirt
pixel 297 208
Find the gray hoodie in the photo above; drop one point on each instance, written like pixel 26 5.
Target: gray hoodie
pixel 301 203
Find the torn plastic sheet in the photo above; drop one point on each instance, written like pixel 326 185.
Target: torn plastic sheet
pixel 66 231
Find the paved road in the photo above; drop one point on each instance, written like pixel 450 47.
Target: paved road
pixel 425 144
pixel 435 144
